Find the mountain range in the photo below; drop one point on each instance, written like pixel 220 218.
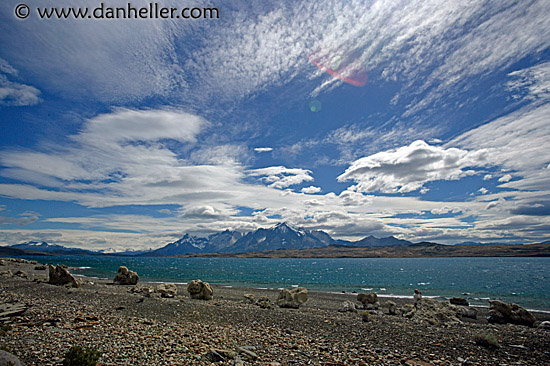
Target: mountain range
pixel 279 237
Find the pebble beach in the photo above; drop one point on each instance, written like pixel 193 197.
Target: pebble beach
pixel 135 325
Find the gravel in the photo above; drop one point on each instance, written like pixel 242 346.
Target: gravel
pixel 133 327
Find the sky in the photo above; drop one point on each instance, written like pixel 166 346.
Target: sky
pixel 425 120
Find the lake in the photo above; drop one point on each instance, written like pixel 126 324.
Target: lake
pixel 525 281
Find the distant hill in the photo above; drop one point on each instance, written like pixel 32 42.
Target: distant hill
pixel 14 252
pixel 46 248
pixel 420 250
pixel 371 241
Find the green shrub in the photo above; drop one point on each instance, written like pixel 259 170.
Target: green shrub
pixel 77 356
pixel 4 329
pixel 367 317
pixel 486 340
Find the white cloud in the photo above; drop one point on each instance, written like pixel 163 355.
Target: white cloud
pixel 444 210
pixel 533 82
pixel 280 176
pixel 518 143
pixel 408 168
pixel 483 190
pixel 13 93
pixel 488 177
pixel 263 149
pixel 311 189
pixel 505 178
pixel 24 220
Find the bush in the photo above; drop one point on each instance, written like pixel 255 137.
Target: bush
pixel 486 340
pixel 77 356
pixel 4 329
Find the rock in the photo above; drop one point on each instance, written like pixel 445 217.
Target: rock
pixel 6 273
pixel 544 325
pixel 200 290
pixel 392 307
pixel 459 301
pixel 7 358
pixel 21 274
pixel 292 298
pixel 347 306
pixel 433 312
pixel 502 313
pixel 144 291
pixel 126 277
pixel 2 262
pixel 8 310
pixel 247 353
pixel 59 275
pixel 168 290
pixel 41 267
pixel 466 312
pixel 369 300
pixel 250 298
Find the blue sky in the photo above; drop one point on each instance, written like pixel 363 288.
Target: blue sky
pixel 128 133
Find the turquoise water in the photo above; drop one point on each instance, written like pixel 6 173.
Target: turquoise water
pixel 525 281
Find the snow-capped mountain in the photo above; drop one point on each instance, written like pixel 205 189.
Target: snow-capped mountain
pixel 280 236
pixel 186 245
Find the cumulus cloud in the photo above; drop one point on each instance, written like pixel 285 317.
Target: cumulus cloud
pixel 505 178
pixel 311 189
pixel 408 168
pixel 280 176
pixel 483 190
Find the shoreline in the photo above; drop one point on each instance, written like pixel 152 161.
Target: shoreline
pixel 131 328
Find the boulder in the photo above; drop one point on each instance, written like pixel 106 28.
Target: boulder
pixel 392 307
pixel 433 312
pixel 126 277
pixel 21 274
pixel 168 290
pixel 347 306
pixel 544 325
pixel 369 300
pixel 6 273
pixel 7 358
pixel 144 291
pixel 292 298
pixel 459 301
pixel 200 290
pixel 59 275
pixel 41 267
pixel 467 312
pixel 502 313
